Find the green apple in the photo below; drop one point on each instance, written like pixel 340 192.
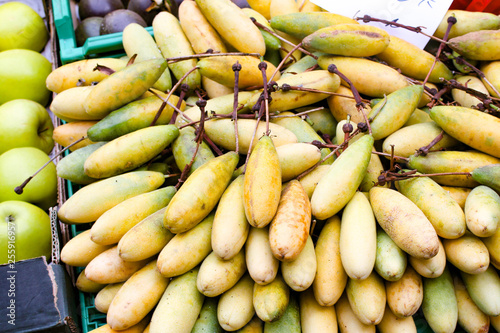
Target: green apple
pixel 21 28
pixel 22 76
pixel 16 165
pixel 25 123
pixel 25 232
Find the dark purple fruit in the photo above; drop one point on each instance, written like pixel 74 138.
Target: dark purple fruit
pixel 117 20
pixel 90 27
pixel 141 7
pixel 89 8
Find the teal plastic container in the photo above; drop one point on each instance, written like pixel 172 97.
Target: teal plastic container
pixel 110 45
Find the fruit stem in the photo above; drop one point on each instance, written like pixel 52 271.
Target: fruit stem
pixel 234 115
pixel 425 150
pixel 20 189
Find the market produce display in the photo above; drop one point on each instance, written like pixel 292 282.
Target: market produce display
pixel 343 182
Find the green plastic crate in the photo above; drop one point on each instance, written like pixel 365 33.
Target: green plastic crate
pixel 95 47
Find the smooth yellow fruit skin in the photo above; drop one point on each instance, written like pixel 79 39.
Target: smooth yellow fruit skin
pixel 367 298
pixel 413 61
pixel 468 253
pixel 235 307
pixel 474 128
pixel 404 296
pixel 261 263
pixel 482 211
pixel 470 317
pixel 347 319
pixel 199 194
pixel 262 183
pixel 80 250
pixel 232 23
pixel 339 185
pixel 137 297
pixel 314 317
pixel 91 201
pixel 331 278
pixel 430 268
pixel 404 222
pixel 271 300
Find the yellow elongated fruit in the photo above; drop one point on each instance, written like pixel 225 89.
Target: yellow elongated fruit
pixel 468 253
pixel 140 327
pixel 86 285
pixel 452 161
pixel 295 158
pixel 199 194
pixel 172 43
pixel 80 250
pixel 271 300
pixel 358 237
pixel 484 289
pixel 221 132
pixel 459 194
pixel 215 89
pixel 289 321
pixel 198 30
pixel 465 99
pixel 186 250
pixel 148 231
pixel 222 105
pixel 367 298
pixel 314 317
pixel 179 306
pixel 81 72
pixel 467 21
pixel 217 276
pixel 409 139
pixel 69 133
pixel 310 181
pixel 430 268
pixel 482 211
pixel 261 263
pixel 439 305
pixel 185 147
pixel 368 77
pixel 390 261
pixel 391 323
pixel 71 167
pixel 129 151
pixel 477 45
pixel 413 61
pixel 470 317
pixel 231 23
pixel 235 306
pixel 123 86
pixel 291 99
pixel 137 297
pixel 262 183
pixel 301 24
pixel 481 132
pixel 207 320
pixel 133 116
pixel 341 106
pixel 331 278
pixel 404 222
pixel 108 267
pixel 230 227
pixel 282 7
pixel 490 70
pixel 117 221
pixel 405 296
pixel 137 40
pixel 442 211
pixel 68 104
pixel 254 326
pixel 347 319
pixel 339 185
pixel 304 132
pixel 272 42
pixel 373 171
pixel 105 296
pixel 348 39
pixel 299 273
pixel 391 113
pixel 493 245
pixel 91 201
pixel 219 69
pixel 289 228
